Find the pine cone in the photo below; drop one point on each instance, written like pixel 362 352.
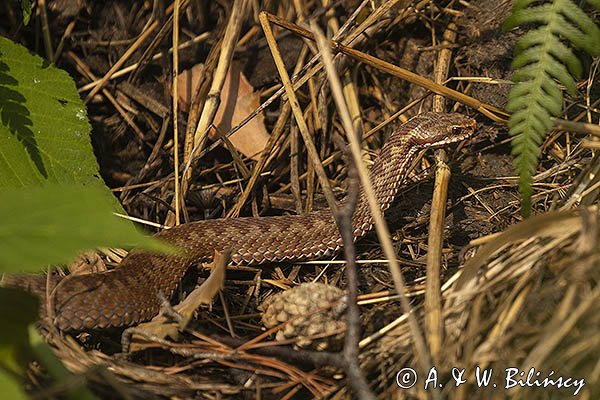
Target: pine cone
pixel 314 314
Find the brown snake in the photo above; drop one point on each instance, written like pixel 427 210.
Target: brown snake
pixel 129 294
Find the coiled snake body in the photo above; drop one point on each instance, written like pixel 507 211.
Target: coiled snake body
pixel 129 294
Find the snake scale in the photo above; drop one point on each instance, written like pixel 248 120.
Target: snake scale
pixel 129 294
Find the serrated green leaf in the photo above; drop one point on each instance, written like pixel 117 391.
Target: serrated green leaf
pixel 542 69
pixel 536 102
pixel 50 225
pixel 541 56
pixel 525 162
pixel 585 39
pixel 522 102
pixel 532 38
pixel 518 126
pixel 44 131
pixel 564 54
pixel 541 14
pixel 529 105
pixel 574 35
pixel 527 57
pixel 534 110
pixel 522 143
pixel 579 18
pixel 553 105
pixel 531 52
pixel 520 4
pixel 552 92
pixel 519 90
pixel 558 71
pixel 521 15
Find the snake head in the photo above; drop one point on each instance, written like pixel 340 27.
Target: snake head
pixel 438 129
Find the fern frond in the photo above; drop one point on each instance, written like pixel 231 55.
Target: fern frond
pixel 559 50
pixel 563 18
pixel 544 59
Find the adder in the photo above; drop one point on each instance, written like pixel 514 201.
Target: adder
pixel 129 294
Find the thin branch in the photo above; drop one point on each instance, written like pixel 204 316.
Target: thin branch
pixel 298 115
pixel 380 224
pixel 176 109
pixel 213 99
pixel 434 326
pixel 343 219
pixel 490 111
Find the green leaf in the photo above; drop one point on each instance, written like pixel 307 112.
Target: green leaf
pixel 10 388
pixel 14 337
pixel 50 225
pixel 20 343
pixel 44 131
pixel 520 4
pixel 590 33
pixel 543 56
pixel 26 6
pixel 14 324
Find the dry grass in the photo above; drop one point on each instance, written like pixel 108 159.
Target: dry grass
pixel 527 300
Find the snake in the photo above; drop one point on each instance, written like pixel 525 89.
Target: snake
pixel 131 293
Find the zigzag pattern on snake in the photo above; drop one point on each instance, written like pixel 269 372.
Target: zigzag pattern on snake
pixel 129 294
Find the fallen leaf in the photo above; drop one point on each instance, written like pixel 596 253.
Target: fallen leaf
pixel 162 326
pixel 238 100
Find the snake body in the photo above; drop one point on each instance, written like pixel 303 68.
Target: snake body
pixel 129 294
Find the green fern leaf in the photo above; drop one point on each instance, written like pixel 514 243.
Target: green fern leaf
pixel 518 5
pixel 544 59
pixel 527 44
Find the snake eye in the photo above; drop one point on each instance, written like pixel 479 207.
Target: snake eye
pixel 456 130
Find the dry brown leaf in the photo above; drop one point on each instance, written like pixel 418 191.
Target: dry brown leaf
pixel 204 294
pixel 238 100
pixel 161 326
